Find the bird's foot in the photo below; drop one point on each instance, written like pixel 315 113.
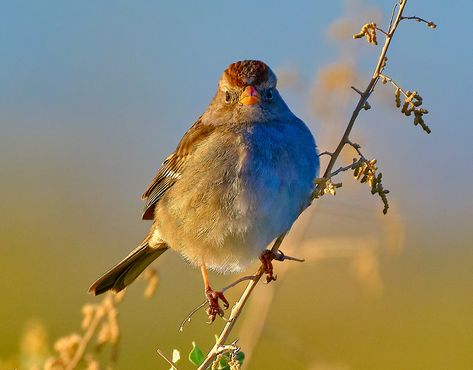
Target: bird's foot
pixel 214 308
pixel 266 259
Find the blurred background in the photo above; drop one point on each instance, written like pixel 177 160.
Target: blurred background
pixel 94 95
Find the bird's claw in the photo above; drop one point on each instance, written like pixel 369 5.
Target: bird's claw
pixel 214 308
pixel 266 259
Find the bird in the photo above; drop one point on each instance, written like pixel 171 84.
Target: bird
pixel 239 177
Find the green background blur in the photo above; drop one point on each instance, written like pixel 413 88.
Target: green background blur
pixel 93 97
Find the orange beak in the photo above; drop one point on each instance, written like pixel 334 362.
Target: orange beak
pixel 249 96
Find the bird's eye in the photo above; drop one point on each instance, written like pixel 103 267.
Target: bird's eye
pixel 227 97
pixel 269 93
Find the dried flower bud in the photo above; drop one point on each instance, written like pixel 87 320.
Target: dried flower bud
pixel 104 334
pixel 88 312
pixel 67 346
pixel 152 279
pixel 53 364
pixel 383 63
pixel 120 296
pixel 368 30
pixel 92 364
pixel 404 107
pixel 397 94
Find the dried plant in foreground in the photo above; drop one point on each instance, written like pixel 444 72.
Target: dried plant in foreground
pixel 363 169
pixel 100 329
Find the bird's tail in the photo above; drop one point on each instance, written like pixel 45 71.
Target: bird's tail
pixel 125 272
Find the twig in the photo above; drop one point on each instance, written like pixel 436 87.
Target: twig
pixel 189 316
pixel 240 280
pixel 382 31
pixel 236 310
pixel 364 97
pixel 419 19
pixel 98 316
pixel 393 12
pixel 346 168
pixel 161 353
pixel 358 91
pixel 238 307
pixel 357 148
pixel 394 83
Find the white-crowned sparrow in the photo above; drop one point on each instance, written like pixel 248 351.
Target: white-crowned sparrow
pixel 239 177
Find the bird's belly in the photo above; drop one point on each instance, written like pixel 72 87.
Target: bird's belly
pixel 232 225
pixel 237 204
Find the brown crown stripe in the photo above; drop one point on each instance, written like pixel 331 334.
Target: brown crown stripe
pixel 247 72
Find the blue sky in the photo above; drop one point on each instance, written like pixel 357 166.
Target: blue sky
pixel 107 87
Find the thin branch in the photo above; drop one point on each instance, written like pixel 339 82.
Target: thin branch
pixel 240 280
pixel 189 316
pixel 161 353
pixel 382 31
pixel 346 168
pixel 419 19
pixel 98 316
pixel 393 12
pixel 357 148
pixel 357 90
pixel 394 83
pixel 364 97
pixel 325 153
pixel 238 307
pixel 236 311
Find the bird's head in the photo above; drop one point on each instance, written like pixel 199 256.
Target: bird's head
pixel 247 89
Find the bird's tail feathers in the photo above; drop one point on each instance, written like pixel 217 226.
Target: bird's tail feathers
pixel 125 272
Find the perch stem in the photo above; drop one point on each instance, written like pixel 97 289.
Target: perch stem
pixel 237 309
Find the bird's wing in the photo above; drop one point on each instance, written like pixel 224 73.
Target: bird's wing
pixel 172 167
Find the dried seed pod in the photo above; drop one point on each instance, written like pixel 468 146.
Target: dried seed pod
pixel 88 312
pixel 397 94
pixel 383 63
pixel 411 96
pixel 404 107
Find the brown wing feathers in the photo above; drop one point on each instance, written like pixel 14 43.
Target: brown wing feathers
pixel 172 167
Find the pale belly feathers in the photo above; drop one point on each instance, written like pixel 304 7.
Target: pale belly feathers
pixel 236 197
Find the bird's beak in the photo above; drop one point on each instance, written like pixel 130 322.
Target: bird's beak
pixel 249 96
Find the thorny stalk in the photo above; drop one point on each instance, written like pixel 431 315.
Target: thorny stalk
pixel 239 305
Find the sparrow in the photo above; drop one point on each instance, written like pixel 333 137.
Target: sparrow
pixel 239 178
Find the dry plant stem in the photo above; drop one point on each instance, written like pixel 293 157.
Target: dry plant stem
pixel 240 280
pixel 369 89
pixel 237 309
pixel 393 13
pixel 419 19
pixel 189 316
pixel 382 31
pixel 357 148
pixel 85 340
pixel 394 83
pixel 161 353
pixel 346 168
